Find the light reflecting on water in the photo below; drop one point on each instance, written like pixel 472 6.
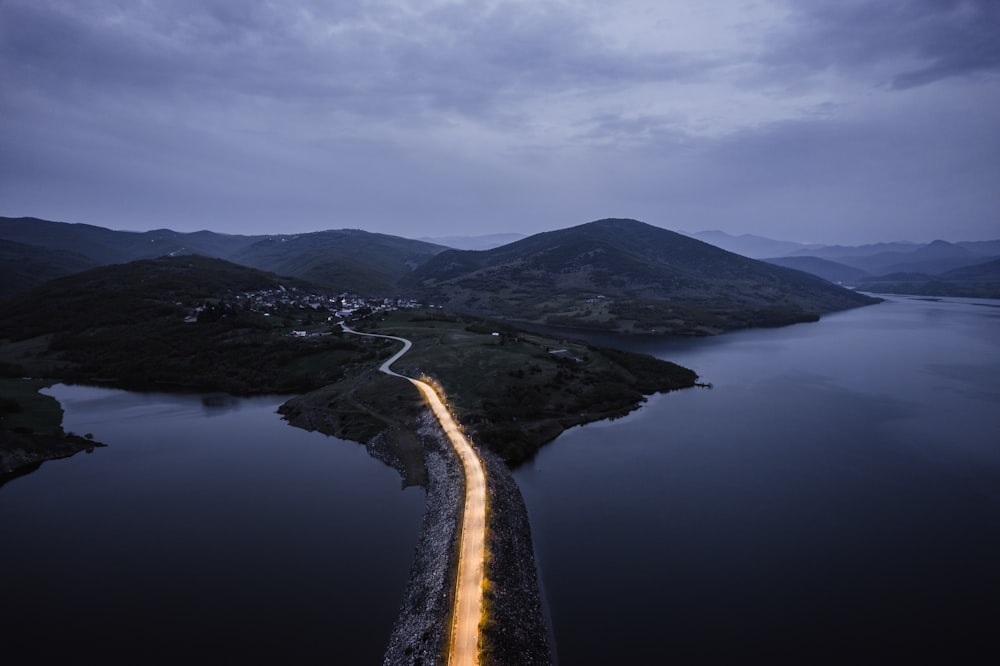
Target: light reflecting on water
pixel 834 499
pixel 207 529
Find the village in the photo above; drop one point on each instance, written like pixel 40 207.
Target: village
pixel 300 306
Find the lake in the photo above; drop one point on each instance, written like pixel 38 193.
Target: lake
pixel 835 498
pixel 207 530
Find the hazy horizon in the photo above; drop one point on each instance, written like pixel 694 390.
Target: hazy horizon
pixel 481 234
pixel 820 121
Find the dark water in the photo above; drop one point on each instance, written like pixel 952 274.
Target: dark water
pixel 207 531
pixel 834 499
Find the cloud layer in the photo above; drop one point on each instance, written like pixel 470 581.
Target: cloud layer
pixel 829 121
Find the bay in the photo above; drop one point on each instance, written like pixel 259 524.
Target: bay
pixel 835 498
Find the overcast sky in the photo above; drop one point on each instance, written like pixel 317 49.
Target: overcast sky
pixel 812 120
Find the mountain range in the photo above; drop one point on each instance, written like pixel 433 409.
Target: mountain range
pixel 900 267
pixel 614 274
pixel 347 260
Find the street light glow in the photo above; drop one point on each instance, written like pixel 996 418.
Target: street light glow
pixel 463 649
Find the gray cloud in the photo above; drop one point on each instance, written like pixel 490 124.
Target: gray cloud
pixel 860 119
pixel 913 42
pixel 463 58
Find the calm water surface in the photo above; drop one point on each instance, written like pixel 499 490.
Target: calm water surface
pixel 834 499
pixel 207 531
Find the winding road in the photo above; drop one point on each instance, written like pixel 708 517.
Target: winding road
pixel 468 609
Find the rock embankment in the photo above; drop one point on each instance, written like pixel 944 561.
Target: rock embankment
pixel 411 441
pixel 515 630
pixel 420 635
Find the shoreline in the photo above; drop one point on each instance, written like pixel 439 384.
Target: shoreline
pixel 420 634
pixel 21 453
pixel 31 431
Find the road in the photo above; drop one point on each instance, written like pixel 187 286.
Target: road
pixel 468 609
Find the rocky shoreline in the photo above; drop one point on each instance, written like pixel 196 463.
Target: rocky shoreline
pixel 22 454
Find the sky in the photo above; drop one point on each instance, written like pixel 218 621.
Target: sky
pixel 827 121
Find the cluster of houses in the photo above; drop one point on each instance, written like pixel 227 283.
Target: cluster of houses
pixel 285 301
pixel 349 306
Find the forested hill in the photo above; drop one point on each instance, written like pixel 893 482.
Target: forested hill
pixel 628 276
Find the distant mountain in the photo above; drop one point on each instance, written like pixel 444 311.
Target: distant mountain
pixel 625 275
pixel 25 266
pixel 348 260
pixel 976 281
pixel 839 252
pixel 824 268
pixel 982 248
pixel 937 257
pixel 873 259
pixel 883 258
pixel 485 242
pixel 345 261
pixel 988 271
pixel 105 246
pixel 748 245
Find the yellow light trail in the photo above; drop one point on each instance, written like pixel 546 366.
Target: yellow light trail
pixel 468 608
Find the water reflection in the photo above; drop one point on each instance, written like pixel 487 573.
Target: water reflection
pixel 219 403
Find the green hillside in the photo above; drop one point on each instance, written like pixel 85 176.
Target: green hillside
pixel 513 391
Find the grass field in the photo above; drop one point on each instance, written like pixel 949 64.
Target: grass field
pixel 513 390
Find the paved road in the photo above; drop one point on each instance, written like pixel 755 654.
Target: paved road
pixel 468 610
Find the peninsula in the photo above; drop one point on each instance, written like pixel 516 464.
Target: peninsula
pixel 485 369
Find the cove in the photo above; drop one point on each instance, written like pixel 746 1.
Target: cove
pixel 207 529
